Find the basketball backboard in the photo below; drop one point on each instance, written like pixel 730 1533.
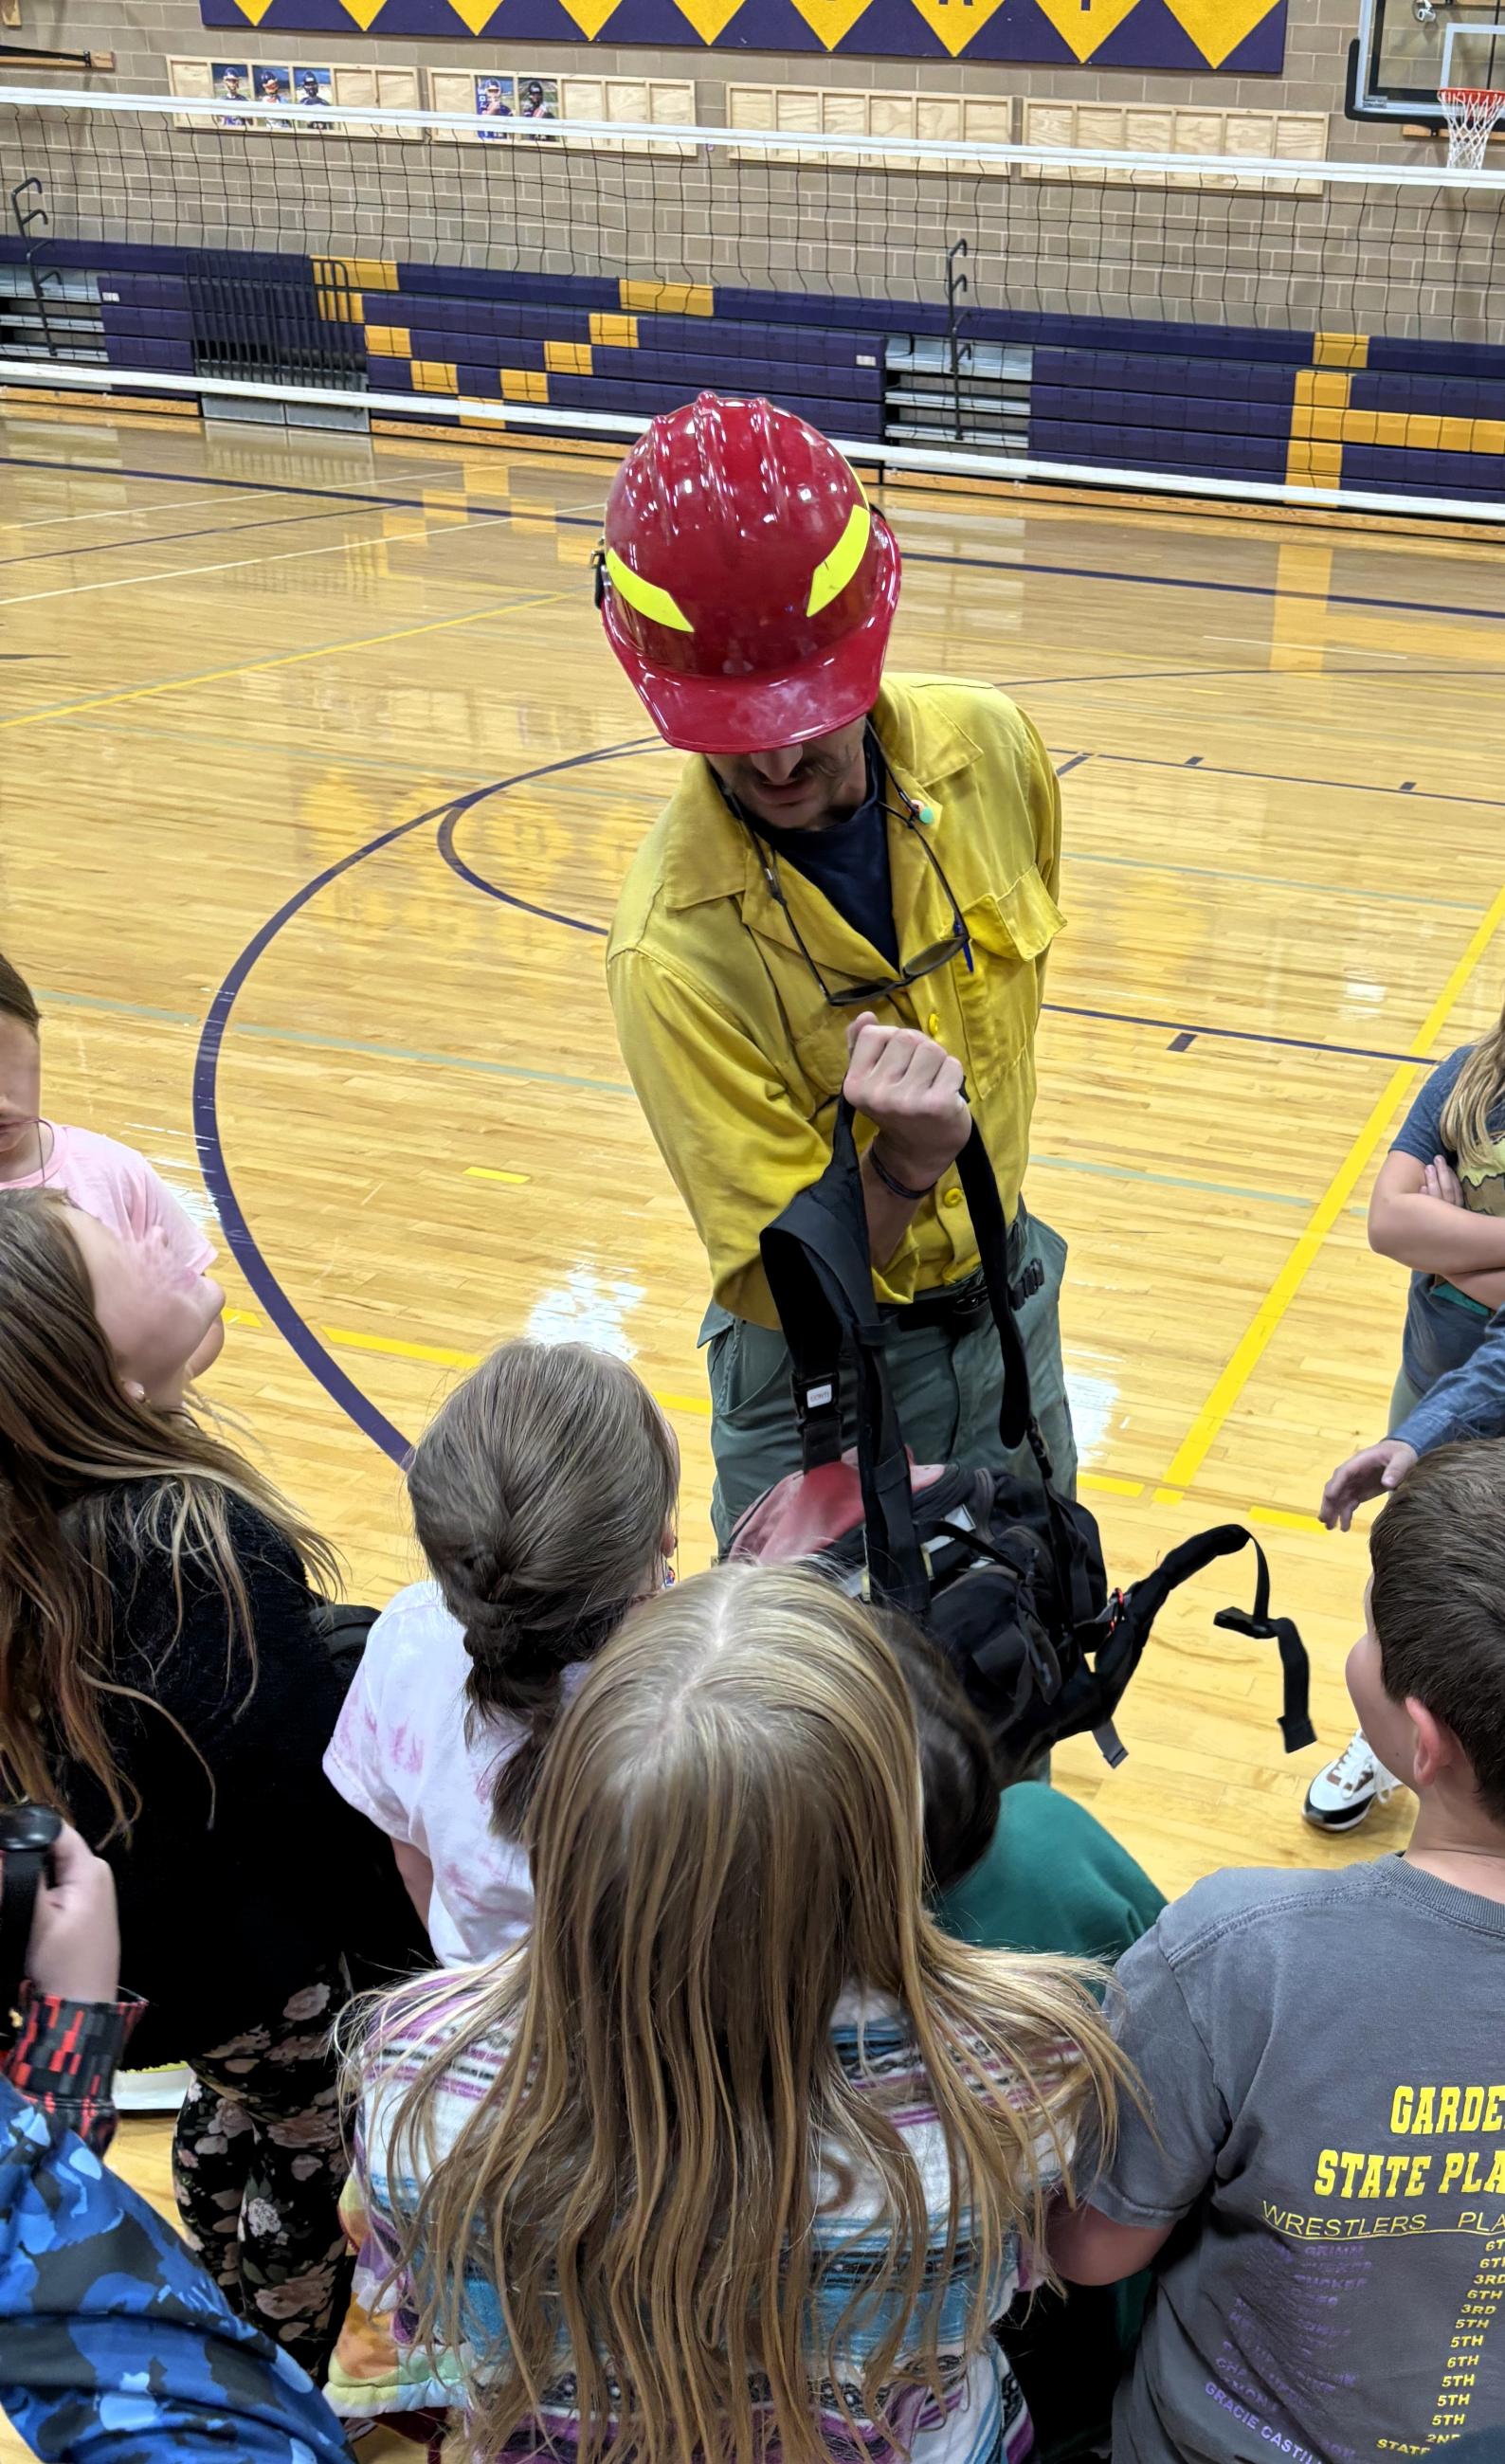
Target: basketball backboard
pixel 1407 49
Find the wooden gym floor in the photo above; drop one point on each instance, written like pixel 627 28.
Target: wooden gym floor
pixel 316 785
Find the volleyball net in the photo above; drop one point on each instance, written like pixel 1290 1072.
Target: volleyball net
pixel 1256 322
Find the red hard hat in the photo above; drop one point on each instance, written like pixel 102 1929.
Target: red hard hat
pixel 748 587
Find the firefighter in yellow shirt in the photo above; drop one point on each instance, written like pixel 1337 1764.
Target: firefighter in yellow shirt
pixel 854 885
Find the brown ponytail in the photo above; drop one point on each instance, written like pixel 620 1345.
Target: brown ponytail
pixel 541 1494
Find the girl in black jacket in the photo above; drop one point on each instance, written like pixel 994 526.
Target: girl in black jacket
pixel 166 1682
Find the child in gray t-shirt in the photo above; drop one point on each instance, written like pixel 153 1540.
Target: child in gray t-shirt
pixel 1320 2167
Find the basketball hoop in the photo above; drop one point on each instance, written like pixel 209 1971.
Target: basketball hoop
pixel 1472 111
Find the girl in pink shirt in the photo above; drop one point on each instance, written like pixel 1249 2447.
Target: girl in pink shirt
pixel 111 1182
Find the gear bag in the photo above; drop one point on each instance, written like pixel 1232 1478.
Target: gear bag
pixel 1005 1574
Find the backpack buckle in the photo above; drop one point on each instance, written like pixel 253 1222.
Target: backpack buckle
pixel 1028 1283
pixel 1105 1623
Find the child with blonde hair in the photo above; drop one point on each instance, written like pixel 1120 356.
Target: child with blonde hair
pixel 1439 1208
pixel 736 2154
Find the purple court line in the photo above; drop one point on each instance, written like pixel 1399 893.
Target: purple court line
pixel 209 1138
pixel 168 539
pixel 1405 671
pixel 913 556
pixel 1295 778
pixel 1177 1027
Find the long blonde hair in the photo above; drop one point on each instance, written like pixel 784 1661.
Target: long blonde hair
pixel 1477 1091
pixel 727 1834
pixel 85 1470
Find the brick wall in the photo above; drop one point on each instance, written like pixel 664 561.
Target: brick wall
pixel 142 33
pixel 1354 260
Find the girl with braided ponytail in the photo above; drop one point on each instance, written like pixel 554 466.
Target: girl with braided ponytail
pixel 543 1499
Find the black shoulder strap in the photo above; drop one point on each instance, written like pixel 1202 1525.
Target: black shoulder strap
pixel 1016 1417
pixel 819 1268
pixel 1017 1424
pixel 1146 1598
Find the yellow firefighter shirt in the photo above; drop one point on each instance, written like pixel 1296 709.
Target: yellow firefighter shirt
pixel 736 1056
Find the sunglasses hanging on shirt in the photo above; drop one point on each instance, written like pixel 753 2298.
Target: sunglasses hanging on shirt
pixel 914 818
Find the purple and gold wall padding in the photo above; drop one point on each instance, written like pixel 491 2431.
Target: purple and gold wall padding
pixel 1235 37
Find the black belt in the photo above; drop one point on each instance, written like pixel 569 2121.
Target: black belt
pixel 962 1305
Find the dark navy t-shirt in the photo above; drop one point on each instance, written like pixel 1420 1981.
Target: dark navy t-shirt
pixel 847 862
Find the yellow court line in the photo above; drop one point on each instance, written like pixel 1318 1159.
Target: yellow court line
pixel 434 1355
pixel 1285 1519
pixel 1192 1452
pixel 288 659
pixel 700 1405
pixel 486 1172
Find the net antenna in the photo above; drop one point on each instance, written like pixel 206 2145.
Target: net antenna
pixel 1471 91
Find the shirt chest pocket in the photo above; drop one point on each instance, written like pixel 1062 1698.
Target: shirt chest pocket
pixel 821 1056
pixel 1011 930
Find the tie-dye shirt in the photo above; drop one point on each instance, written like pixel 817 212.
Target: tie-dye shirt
pixel 981 2417
pixel 406 1754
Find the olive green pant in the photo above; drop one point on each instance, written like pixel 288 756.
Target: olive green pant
pixel 947 1389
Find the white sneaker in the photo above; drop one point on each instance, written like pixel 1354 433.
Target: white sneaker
pixel 155 2091
pixel 1340 1796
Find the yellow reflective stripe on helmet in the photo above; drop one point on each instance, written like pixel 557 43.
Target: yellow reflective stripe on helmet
pixel 833 573
pixel 646 597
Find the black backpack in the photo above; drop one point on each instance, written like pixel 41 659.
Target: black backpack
pixel 1003 1573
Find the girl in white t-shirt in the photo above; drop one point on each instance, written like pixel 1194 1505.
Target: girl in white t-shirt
pixel 543 1499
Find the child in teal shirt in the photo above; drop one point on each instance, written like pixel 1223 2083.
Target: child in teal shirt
pixel 1025 1868
pixel 1012 1868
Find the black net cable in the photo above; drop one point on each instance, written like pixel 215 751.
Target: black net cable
pixel 1282 251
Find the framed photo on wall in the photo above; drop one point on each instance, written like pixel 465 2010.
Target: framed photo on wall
pixel 495 98
pixel 312 91
pixel 537 98
pixel 230 81
pixel 488 93
pixel 274 84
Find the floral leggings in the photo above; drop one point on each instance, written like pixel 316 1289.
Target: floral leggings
pixel 258 2163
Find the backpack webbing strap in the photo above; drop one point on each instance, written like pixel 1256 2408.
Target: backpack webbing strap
pixel 819 1269
pixel 818 1262
pixel 1016 1420
pixel 1148 1596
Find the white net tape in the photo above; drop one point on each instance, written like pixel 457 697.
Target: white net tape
pixel 1472 112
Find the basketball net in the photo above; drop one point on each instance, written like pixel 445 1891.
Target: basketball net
pixel 1472 111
